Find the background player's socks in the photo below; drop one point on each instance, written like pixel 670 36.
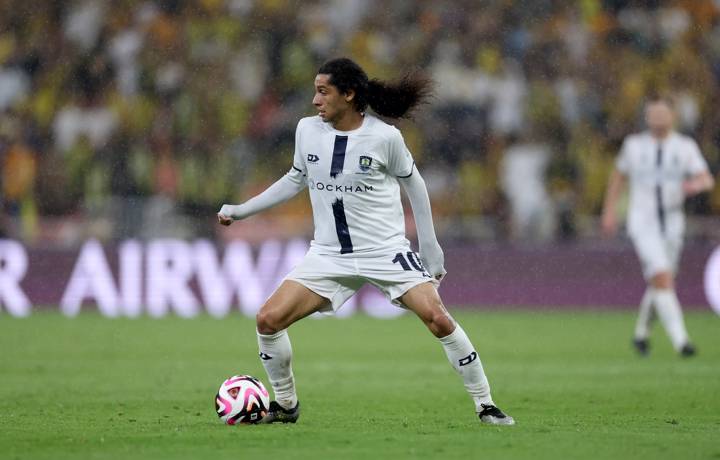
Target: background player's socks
pixel 668 308
pixel 276 356
pixel 466 361
pixel 642 326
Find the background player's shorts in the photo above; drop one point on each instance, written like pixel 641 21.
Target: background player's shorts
pixel 337 277
pixel 657 253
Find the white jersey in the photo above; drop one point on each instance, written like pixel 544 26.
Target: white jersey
pixel 656 170
pixel 352 178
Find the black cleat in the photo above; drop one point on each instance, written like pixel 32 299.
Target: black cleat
pixel 688 350
pixel 642 346
pixel 278 414
pixel 494 416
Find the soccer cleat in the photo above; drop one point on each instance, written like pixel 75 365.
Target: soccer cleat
pixel 494 416
pixel 642 346
pixel 687 350
pixel 278 414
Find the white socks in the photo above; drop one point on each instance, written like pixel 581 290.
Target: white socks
pixel 466 361
pixel 668 309
pixel 642 326
pixel 276 356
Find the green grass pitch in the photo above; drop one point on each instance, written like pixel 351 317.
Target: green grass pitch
pixel 96 388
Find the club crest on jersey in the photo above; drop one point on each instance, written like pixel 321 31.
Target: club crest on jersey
pixel 312 158
pixel 365 163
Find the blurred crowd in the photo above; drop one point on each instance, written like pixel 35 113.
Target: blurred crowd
pixel 139 118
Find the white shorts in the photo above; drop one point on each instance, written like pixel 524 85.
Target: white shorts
pixel 337 277
pixel 657 253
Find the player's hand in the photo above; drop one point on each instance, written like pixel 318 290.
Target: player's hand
pixel 224 220
pixel 690 188
pixel 433 260
pixel 228 214
pixel 608 224
pixel 441 275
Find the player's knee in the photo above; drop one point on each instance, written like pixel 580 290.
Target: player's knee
pixel 440 323
pixel 662 280
pixel 267 322
pixel 444 326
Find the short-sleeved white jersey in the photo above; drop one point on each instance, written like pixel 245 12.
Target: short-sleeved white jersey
pixel 352 181
pixel 656 169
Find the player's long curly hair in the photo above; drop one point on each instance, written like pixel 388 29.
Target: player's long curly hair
pixel 394 99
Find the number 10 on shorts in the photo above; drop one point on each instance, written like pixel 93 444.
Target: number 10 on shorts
pixel 412 261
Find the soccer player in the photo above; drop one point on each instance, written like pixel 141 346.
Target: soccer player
pixel 353 163
pixel 663 168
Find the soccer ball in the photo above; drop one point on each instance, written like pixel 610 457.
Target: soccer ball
pixel 242 399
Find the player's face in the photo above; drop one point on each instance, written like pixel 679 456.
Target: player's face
pixel 331 104
pixel 659 118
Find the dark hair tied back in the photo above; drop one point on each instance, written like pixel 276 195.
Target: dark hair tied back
pixel 395 99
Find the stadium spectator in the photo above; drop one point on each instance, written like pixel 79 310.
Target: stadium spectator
pixel 522 177
pixel 83 74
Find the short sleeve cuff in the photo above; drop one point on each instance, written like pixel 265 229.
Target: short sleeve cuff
pixel 412 168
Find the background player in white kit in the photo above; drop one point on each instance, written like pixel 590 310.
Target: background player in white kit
pixel 352 162
pixel 663 168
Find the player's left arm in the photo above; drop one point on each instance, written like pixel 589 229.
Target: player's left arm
pixel 699 178
pixel 698 183
pixel 400 164
pixel 431 253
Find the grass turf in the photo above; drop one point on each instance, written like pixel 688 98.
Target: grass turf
pixel 96 388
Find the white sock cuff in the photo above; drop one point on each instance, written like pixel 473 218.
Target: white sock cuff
pixel 271 337
pixel 664 293
pixel 647 295
pixel 454 336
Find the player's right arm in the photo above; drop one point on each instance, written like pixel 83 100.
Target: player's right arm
pixel 281 191
pixel 616 186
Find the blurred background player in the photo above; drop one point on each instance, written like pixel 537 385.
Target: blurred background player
pixel 663 167
pixel 352 162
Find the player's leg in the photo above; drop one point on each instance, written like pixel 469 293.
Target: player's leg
pixel 659 256
pixel 670 312
pixel 642 325
pixel 424 300
pixel 289 303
